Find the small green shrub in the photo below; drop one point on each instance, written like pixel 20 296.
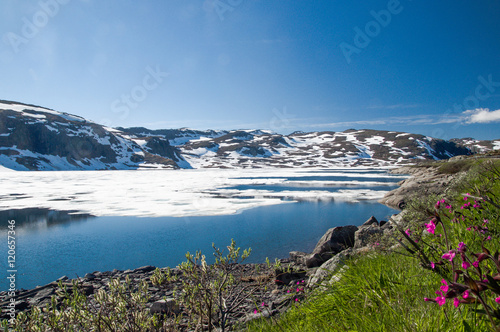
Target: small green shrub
pixel 209 292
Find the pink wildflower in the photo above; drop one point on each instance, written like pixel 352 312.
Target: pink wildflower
pixel 461 246
pixel 255 311
pixel 497 300
pixel 408 232
pixel 440 300
pixel 456 302
pixel 465 294
pixel 475 264
pixel 449 256
pixel 465 265
pixel 444 288
pixel 433 265
pixel 431 226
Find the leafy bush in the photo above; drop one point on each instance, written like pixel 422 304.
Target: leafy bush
pixel 208 291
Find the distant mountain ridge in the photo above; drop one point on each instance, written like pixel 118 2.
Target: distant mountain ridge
pixel 38 138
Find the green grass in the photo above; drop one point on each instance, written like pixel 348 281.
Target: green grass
pixel 453 167
pixel 382 292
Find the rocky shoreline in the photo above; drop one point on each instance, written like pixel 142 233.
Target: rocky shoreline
pixel 428 180
pixel 277 286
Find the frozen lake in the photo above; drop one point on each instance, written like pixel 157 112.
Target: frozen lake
pixel 129 219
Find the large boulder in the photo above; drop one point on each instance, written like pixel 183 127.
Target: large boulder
pixel 331 243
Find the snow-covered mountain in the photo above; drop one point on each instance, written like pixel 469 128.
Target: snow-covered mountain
pixel 37 138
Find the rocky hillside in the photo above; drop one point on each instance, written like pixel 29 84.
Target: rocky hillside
pixel 38 138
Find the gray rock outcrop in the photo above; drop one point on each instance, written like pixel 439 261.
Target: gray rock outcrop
pixel 424 181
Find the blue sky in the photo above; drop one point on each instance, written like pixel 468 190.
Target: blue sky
pixel 415 66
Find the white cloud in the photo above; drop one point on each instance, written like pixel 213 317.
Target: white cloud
pixel 468 117
pixel 482 115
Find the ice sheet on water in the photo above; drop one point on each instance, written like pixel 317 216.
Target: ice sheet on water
pixel 177 193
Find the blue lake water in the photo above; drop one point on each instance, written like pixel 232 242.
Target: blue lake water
pixel 48 251
pixel 50 244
